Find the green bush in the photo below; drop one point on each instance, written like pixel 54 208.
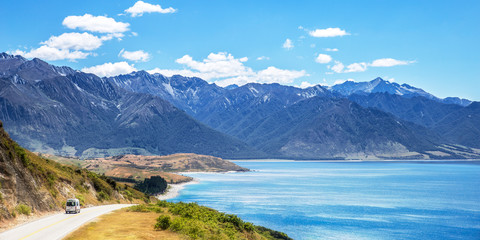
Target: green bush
pixel 152 185
pixel 138 208
pixel 102 196
pixel 81 199
pixel 23 209
pixel 163 222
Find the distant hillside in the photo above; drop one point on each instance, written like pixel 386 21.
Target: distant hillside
pixel 462 126
pixel 138 167
pixel 325 127
pixel 61 111
pixel 181 162
pixel 31 184
pixel 419 110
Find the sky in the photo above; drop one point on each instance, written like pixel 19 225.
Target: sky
pixel 433 45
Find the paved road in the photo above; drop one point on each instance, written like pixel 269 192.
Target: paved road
pixel 59 225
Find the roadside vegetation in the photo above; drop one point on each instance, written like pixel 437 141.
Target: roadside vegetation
pixel 49 184
pixel 82 180
pixel 199 222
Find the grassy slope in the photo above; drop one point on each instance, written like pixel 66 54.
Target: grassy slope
pixel 165 220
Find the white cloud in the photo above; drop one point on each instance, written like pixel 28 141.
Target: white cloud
pixel 328 32
pixel 362 66
pixel 110 69
pixel 263 58
pixel 224 69
pixel 140 7
pixel 323 58
pixel 356 67
pixel 288 44
pixel 338 67
pixel 305 85
pixel 100 24
pixel 331 49
pixel 340 81
pixel 110 36
pixel 136 56
pixel 76 41
pixel 389 62
pixel 217 65
pixel 52 54
pixel 275 75
pixel 171 72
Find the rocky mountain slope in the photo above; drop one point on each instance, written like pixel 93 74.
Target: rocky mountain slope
pixel 419 110
pixel 461 126
pixel 31 184
pixel 228 110
pixel 65 112
pixel 325 127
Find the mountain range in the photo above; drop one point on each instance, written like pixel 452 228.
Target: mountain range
pixel 67 112
pixel 59 110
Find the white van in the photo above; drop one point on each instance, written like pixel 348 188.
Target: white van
pixel 72 206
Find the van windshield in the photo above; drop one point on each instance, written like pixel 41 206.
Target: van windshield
pixel 70 204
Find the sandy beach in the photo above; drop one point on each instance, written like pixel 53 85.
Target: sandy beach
pixel 173 190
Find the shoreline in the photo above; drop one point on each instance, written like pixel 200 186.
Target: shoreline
pixel 173 190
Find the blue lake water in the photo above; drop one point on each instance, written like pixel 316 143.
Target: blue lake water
pixel 349 200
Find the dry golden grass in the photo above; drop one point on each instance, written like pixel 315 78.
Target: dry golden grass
pixel 123 225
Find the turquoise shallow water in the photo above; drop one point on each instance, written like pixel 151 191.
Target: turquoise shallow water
pixel 349 200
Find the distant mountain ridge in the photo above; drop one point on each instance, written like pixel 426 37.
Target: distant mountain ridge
pixel 241 110
pixel 60 110
pixel 378 85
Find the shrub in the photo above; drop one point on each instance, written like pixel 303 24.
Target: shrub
pixel 128 195
pixel 177 225
pixel 152 185
pixel 81 198
pixel 163 203
pixel 101 196
pixel 23 209
pixel 138 208
pixel 163 222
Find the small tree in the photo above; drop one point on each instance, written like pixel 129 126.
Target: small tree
pixel 163 222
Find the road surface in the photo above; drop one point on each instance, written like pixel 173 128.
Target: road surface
pixel 59 225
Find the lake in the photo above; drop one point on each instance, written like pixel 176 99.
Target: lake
pixel 349 200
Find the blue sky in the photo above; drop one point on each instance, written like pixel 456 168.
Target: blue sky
pixel 433 45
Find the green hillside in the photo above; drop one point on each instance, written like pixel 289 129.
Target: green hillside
pixel 31 184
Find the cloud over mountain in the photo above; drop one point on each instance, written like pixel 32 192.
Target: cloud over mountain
pixel 141 7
